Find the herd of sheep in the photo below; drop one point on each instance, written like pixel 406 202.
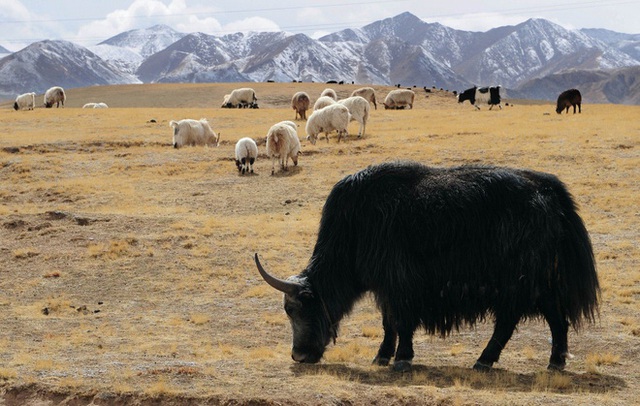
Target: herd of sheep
pixel 282 141
pixel 329 115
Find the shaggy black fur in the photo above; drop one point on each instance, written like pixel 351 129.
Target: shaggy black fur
pixel 445 247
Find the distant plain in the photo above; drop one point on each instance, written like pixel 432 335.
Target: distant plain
pixel 127 264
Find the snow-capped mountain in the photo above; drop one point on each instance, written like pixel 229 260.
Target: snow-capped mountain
pixel 627 43
pixel 55 63
pixel 130 48
pixel 399 50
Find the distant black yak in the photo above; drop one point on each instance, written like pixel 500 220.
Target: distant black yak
pixel 569 98
pixel 443 248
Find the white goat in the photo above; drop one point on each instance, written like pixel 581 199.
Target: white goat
pixel 329 92
pixel 333 117
pixel 243 97
pixel 300 103
pixel 359 109
pixel 54 95
pixel 368 93
pixel 193 132
pixel 246 154
pixel 399 99
pixel 283 143
pixel 322 102
pixel 25 101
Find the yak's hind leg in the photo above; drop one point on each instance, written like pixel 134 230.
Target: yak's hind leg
pixel 559 329
pixel 388 346
pixel 502 332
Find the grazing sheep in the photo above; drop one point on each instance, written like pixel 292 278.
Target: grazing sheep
pixel 246 154
pixel 399 99
pixel 193 132
pixel 322 102
pixel 89 105
pixel 329 92
pixel 368 93
pixel 25 101
pixel 359 110
pixel 333 117
pixel 54 95
pixel 243 97
pixel 300 103
pixel 283 143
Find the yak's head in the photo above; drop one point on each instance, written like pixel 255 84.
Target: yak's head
pixel 309 317
pixel 15 106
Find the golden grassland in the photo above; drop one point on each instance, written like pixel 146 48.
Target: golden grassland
pixel 127 272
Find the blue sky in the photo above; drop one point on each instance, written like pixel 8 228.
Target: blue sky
pixel 89 22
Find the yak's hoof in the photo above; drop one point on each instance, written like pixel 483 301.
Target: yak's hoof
pixel 381 361
pixel 402 366
pixel 555 367
pixel 482 367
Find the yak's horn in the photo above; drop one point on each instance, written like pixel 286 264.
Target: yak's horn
pixel 290 288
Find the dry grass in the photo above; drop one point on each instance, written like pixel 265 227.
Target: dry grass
pixel 127 265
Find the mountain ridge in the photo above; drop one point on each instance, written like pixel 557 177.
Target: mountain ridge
pixel 402 49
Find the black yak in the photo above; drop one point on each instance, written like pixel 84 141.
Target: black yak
pixel 481 95
pixel 569 98
pixel 443 248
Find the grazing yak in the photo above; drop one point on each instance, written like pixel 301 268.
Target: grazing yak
pixel 569 98
pixel 481 95
pixel 441 248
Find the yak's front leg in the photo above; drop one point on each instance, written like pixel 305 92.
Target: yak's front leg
pixel 388 346
pixel 502 332
pixel 404 354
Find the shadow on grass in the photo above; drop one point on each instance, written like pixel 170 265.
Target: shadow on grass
pixel 444 377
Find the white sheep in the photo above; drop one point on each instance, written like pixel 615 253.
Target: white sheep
pixel 54 95
pixel 359 109
pixel 399 99
pixel 243 97
pixel 335 117
pixel 322 102
pixel 329 92
pixel 95 106
pixel 368 93
pixel 25 101
pixel 283 143
pixel 246 154
pixel 193 132
pixel 300 103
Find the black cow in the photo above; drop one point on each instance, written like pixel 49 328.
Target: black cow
pixel 443 248
pixel 569 98
pixel 481 95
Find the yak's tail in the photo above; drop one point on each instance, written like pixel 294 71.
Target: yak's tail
pixel 577 269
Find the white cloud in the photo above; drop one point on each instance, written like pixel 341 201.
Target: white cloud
pixel 256 24
pixel 145 13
